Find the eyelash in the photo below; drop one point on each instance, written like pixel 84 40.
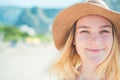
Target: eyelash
pixel 84 31
pixel 103 31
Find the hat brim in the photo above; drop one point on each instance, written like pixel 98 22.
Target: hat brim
pixel 65 19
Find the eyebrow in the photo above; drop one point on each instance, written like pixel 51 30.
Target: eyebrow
pixel 87 27
pixel 83 27
pixel 106 26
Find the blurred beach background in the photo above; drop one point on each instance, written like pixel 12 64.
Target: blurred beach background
pixel 26 44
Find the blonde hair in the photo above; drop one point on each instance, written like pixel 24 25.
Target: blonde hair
pixel 65 67
pixel 110 68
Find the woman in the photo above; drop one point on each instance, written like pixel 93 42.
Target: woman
pixel 87 34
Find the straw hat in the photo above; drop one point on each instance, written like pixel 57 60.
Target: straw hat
pixel 63 22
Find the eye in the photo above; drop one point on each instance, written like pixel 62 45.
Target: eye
pixel 104 31
pixel 84 31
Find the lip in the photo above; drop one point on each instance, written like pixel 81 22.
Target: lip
pixel 94 50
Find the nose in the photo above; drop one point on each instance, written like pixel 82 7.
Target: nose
pixel 95 39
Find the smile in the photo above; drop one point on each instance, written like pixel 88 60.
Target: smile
pixel 94 50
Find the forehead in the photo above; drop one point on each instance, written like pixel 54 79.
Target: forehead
pixel 93 20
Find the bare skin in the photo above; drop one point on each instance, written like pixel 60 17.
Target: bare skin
pixel 93 42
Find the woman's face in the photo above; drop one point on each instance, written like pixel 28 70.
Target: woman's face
pixel 93 38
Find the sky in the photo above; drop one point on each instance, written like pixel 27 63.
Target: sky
pixel 39 3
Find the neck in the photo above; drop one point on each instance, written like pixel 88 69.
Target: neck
pixel 88 71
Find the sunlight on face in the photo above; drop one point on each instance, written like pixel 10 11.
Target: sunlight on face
pixel 93 38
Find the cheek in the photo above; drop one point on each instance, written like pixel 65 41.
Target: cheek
pixel 81 41
pixel 82 38
pixel 108 39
